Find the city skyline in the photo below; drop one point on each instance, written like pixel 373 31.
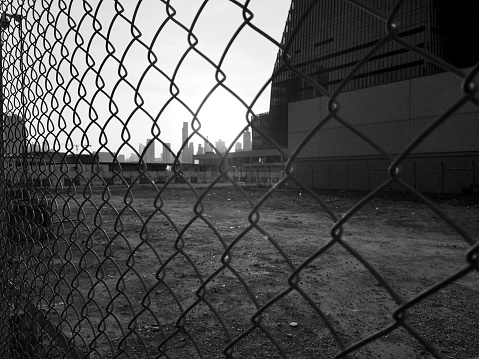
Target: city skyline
pixel 213 85
pixel 150 156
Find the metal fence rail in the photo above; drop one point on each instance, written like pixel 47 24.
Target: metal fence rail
pixel 74 282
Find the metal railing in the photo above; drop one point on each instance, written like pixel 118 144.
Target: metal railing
pixel 130 268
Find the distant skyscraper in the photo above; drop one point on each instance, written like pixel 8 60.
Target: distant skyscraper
pixel 150 152
pixel 247 140
pixel 208 148
pixel 184 139
pixel 141 148
pixel 133 157
pixel 191 152
pixel 336 35
pixel 220 146
pixel 200 150
pixel 238 146
pixel 166 155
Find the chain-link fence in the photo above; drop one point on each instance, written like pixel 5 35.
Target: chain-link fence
pixel 143 259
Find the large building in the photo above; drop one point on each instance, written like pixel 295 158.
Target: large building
pixel 184 142
pixel 188 150
pixel 166 156
pixel 326 39
pixel 149 156
pixel 247 140
pixel 394 94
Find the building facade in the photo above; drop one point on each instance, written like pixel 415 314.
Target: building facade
pixel 247 140
pixel 149 156
pixel 325 39
pixel 166 156
pixel 184 142
pixel 392 116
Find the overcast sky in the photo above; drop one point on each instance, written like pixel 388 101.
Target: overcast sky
pixel 248 65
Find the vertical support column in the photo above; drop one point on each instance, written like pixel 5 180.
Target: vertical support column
pixel 4 299
pixel 5 290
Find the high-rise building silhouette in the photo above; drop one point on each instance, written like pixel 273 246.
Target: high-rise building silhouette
pixel 220 146
pixel 184 139
pixel 207 146
pixel 335 35
pixel 133 157
pixel 190 153
pixel 247 140
pixel 166 156
pixel 150 151
pixel 141 149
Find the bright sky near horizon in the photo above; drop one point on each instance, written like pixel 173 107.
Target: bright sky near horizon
pixel 248 65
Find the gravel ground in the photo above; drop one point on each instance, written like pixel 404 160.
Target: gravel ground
pixel 188 279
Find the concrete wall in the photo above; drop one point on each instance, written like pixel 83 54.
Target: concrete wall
pixel 432 174
pixel 392 116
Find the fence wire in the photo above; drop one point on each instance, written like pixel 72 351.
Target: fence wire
pixel 96 267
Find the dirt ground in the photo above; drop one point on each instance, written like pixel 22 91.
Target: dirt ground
pixel 172 275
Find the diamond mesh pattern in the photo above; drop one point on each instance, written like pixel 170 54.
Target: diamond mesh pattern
pixel 75 282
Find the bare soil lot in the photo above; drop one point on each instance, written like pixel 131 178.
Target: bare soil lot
pixel 190 275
